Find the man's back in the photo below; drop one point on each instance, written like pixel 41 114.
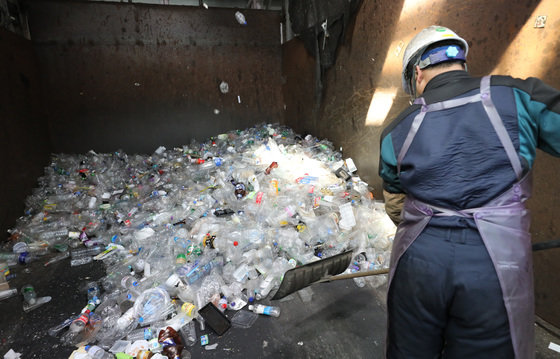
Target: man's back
pixel 456 159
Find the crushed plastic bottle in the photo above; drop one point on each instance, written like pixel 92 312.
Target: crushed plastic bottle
pixel 188 334
pixel 54 331
pixel 57 258
pixel 96 352
pixel 8 293
pixel 80 261
pixel 152 305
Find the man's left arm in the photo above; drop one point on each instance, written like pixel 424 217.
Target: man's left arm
pixel 392 191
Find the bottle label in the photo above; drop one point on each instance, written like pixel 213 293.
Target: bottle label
pixel 4 269
pixel 154 345
pixel 266 310
pixel 83 318
pixel 208 241
pixel 181 258
pixel 188 308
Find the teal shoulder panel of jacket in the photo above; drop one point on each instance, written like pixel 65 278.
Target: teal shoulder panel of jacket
pixel 539 127
pixel 538 112
pixel 388 166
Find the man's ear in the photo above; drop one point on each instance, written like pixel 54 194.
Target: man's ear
pixel 419 75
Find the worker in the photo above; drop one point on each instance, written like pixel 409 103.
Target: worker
pixel 456 170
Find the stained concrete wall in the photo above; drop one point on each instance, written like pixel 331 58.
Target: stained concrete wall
pixel 137 76
pixel 502 40
pixel 24 140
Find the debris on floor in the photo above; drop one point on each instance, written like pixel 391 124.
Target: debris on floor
pixel 554 346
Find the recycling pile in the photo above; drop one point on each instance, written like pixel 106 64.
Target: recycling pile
pixel 214 222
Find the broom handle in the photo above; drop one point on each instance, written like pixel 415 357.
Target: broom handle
pixel 546 245
pixel 536 247
pixel 355 275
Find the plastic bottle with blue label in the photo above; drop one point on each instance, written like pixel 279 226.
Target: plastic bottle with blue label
pixel 265 309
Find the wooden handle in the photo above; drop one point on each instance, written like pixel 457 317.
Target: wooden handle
pixel 355 275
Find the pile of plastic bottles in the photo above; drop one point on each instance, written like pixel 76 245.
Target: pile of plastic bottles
pixel 215 222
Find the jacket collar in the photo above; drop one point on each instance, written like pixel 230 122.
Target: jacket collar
pixel 448 85
pixel 446 78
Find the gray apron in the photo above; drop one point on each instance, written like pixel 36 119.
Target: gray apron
pixel 503 224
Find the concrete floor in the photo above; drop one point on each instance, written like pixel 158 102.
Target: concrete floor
pixel 341 321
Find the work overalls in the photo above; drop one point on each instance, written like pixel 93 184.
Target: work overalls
pixel 503 224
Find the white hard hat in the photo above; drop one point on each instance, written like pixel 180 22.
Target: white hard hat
pixel 418 45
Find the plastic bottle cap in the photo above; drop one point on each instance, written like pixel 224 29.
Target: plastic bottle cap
pixel 235 243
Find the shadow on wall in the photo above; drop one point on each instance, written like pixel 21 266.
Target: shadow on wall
pixel 24 140
pixel 363 90
pixel 490 28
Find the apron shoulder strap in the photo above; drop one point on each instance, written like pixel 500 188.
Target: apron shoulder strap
pixel 499 127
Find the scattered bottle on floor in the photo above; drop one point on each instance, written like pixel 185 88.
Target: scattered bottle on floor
pixel 53 331
pixel 29 294
pixel 265 309
pixel 8 293
pixel 80 261
pixel 57 258
pixel 26 258
pixel 87 252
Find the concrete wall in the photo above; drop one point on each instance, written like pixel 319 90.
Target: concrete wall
pixel 363 91
pixel 24 140
pixel 136 76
